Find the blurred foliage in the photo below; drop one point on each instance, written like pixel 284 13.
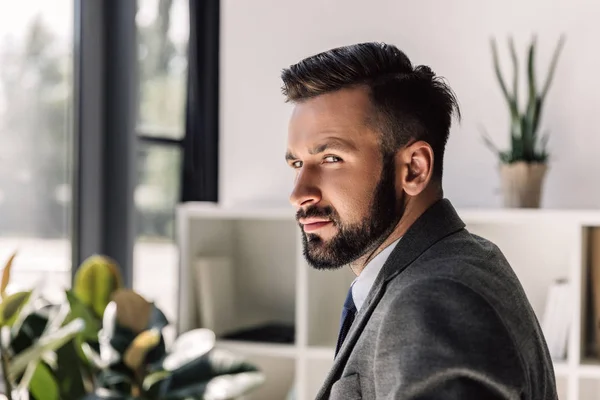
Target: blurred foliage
pixel 74 350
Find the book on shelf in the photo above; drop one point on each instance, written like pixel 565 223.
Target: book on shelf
pixel 220 310
pixel 594 297
pixel 557 318
pixel 215 293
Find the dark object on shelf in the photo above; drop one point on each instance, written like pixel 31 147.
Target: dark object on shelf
pixel 271 333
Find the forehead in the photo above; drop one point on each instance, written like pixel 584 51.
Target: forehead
pixel 344 113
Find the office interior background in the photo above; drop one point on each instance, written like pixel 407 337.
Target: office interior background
pixel 121 120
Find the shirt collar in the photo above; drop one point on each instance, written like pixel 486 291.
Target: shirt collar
pixel 363 282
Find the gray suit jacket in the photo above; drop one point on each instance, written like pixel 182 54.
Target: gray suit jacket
pixel 446 319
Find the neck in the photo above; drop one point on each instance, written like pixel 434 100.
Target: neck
pixel 414 207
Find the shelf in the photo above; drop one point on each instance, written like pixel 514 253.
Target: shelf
pixel 259 348
pixel 264 279
pixel 243 211
pixel 321 353
pixel 588 388
pixel 241 274
pixel 280 374
pixel 506 216
pixel 589 369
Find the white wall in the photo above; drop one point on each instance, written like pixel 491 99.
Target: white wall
pixel 260 37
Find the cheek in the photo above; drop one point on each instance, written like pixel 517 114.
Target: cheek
pixel 351 196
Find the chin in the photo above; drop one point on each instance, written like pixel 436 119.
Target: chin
pixel 319 256
pixel 321 265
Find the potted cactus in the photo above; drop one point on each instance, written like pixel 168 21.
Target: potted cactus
pixel 524 165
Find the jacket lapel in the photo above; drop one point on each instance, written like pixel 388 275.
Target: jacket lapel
pixel 439 221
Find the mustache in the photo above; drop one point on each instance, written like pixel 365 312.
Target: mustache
pixel 316 212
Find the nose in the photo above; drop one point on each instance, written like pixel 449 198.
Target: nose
pixel 306 190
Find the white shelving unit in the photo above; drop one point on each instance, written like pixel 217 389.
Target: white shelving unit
pixel 271 283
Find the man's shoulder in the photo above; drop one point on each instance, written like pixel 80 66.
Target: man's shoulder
pixel 462 270
pixel 463 258
pixel 468 279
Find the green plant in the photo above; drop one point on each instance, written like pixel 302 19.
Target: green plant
pixel 104 341
pixel 526 143
pixel 133 362
pixel 95 281
pixel 37 345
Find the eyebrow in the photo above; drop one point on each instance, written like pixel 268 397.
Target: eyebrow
pixel 330 144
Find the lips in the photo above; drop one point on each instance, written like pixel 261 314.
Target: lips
pixel 313 224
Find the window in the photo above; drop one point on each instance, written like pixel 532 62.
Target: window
pixel 162 34
pixel 36 88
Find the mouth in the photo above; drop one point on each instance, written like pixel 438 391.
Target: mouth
pixel 313 224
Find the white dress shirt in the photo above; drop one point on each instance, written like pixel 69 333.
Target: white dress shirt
pixel 363 282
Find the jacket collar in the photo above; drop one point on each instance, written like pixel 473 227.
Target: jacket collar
pixel 437 222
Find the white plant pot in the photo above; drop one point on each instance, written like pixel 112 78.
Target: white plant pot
pixel 522 184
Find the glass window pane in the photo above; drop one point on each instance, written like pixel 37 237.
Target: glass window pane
pixel 155 252
pixel 36 86
pixel 163 31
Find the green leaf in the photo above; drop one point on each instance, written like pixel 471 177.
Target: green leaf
pixel 487 140
pixel 95 281
pixel 217 362
pixel 136 353
pixel 553 63
pixel 134 312
pixel 6 275
pixel 222 387
pixel 11 306
pixel 102 394
pixel 515 62
pixel 70 371
pixel 43 385
pixel 31 306
pixel 158 320
pixel 49 342
pixel 512 105
pixel 224 362
pixel 188 347
pixel 30 331
pixel 116 382
pixel 152 382
pixel 531 71
pixel 517 148
pixel 233 386
pixel 80 310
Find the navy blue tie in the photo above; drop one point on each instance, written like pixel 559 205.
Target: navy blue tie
pixel 348 314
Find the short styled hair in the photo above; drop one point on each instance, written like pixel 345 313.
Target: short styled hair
pixel 409 102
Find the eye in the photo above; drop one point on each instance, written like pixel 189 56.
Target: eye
pixel 296 164
pixel 332 159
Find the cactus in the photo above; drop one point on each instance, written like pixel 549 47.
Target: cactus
pixel 95 281
pixel 526 142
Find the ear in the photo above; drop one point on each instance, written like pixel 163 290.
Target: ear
pixel 414 166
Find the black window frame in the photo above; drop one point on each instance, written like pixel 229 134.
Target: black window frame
pixel 106 140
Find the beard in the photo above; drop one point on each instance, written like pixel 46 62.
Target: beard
pixel 354 240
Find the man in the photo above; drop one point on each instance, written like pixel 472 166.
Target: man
pixel 435 312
